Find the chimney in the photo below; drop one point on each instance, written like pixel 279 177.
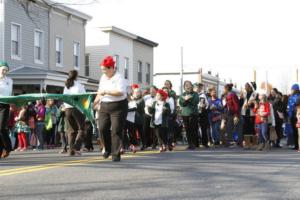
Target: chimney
pixel 200 75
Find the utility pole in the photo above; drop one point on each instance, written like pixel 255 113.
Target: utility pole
pixel 254 75
pixel 297 75
pixel 267 82
pixel 181 73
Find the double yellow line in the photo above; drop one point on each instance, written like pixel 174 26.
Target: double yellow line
pixel 36 168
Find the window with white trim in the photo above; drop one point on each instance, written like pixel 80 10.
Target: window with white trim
pixel 38 46
pixel 126 67
pixel 16 40
pixel 59 51
pixel 76 55
pixel 87 65
pixel 116 59
pixel 140 65
pixel 148 70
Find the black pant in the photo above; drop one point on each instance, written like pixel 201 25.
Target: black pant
pixel 112 118
pixel 149 137
pixel 75 128
pixel 88 143
pixel 249 125
pixel 50 135
pixel 161 134
pixel 295 131
pixel 278 129
pixel 131 130
pixel 5 143
pixel 171 135
pixel 190 124
pixel 63 139
pixel 203 123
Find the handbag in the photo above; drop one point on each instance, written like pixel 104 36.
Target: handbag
pixel 273 134
pixel 33 140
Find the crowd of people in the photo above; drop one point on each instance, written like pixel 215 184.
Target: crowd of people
pixel 151 117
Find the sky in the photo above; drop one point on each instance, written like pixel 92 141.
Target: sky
pixel 229 37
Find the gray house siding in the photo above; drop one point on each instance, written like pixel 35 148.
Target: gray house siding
pixel 144 54
pixel 1 29
pixel 71 30
pixel 96 53
pixel 28 27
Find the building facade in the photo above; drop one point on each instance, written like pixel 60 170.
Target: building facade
pixel 207 79
pixel 42 41
pixel 133 55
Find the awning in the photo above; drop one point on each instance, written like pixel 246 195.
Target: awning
pixel 27 75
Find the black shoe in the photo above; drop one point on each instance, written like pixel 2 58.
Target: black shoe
pixel 190 148
pixel 106 155
pixel 206 145
pixel 116 158
pixel 71 153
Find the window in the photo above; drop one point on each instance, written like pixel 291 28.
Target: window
pixel 126 67
pixel 38 46
pixel 116 59
pixel 140 71
pixel 76 55
pixel 148 73
pixel 59 51
pixel 87 65
pixel 16 41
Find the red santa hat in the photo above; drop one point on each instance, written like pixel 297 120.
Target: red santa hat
pixel 162 93
pixel 134 86
pixel 108 62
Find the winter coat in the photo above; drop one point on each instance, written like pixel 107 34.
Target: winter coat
pixel 232 104
pixel 189 107
pixel 262 112
pixel 165 114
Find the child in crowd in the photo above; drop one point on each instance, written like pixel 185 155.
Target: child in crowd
pixel 262 111
pixel 160 111
pixel 22 129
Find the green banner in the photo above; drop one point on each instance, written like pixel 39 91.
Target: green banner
pixel 83 102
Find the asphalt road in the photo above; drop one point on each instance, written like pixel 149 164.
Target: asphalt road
pixel 203 174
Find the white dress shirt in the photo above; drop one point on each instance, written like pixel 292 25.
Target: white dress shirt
pixel 158 113
pixel 77 88
pixel 6 86
pixel 148 103
pixel 131 114
pixel 115 83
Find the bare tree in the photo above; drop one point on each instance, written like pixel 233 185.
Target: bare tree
pixel 30 6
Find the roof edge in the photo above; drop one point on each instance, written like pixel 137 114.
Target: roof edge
pixel 132 36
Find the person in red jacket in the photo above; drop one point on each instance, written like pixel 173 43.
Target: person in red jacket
pixel 233 116
pixel 262 111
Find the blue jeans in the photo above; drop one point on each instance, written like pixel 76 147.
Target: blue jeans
pixel 216 131
pixel 263 132
pixel 39 130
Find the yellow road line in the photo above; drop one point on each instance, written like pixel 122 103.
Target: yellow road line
pixel 67 163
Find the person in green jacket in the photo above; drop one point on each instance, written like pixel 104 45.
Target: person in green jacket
pixel 188 102
pixel 172 93
pixel 160 111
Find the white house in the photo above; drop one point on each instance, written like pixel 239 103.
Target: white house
pixel 43 44
pixel 132 53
